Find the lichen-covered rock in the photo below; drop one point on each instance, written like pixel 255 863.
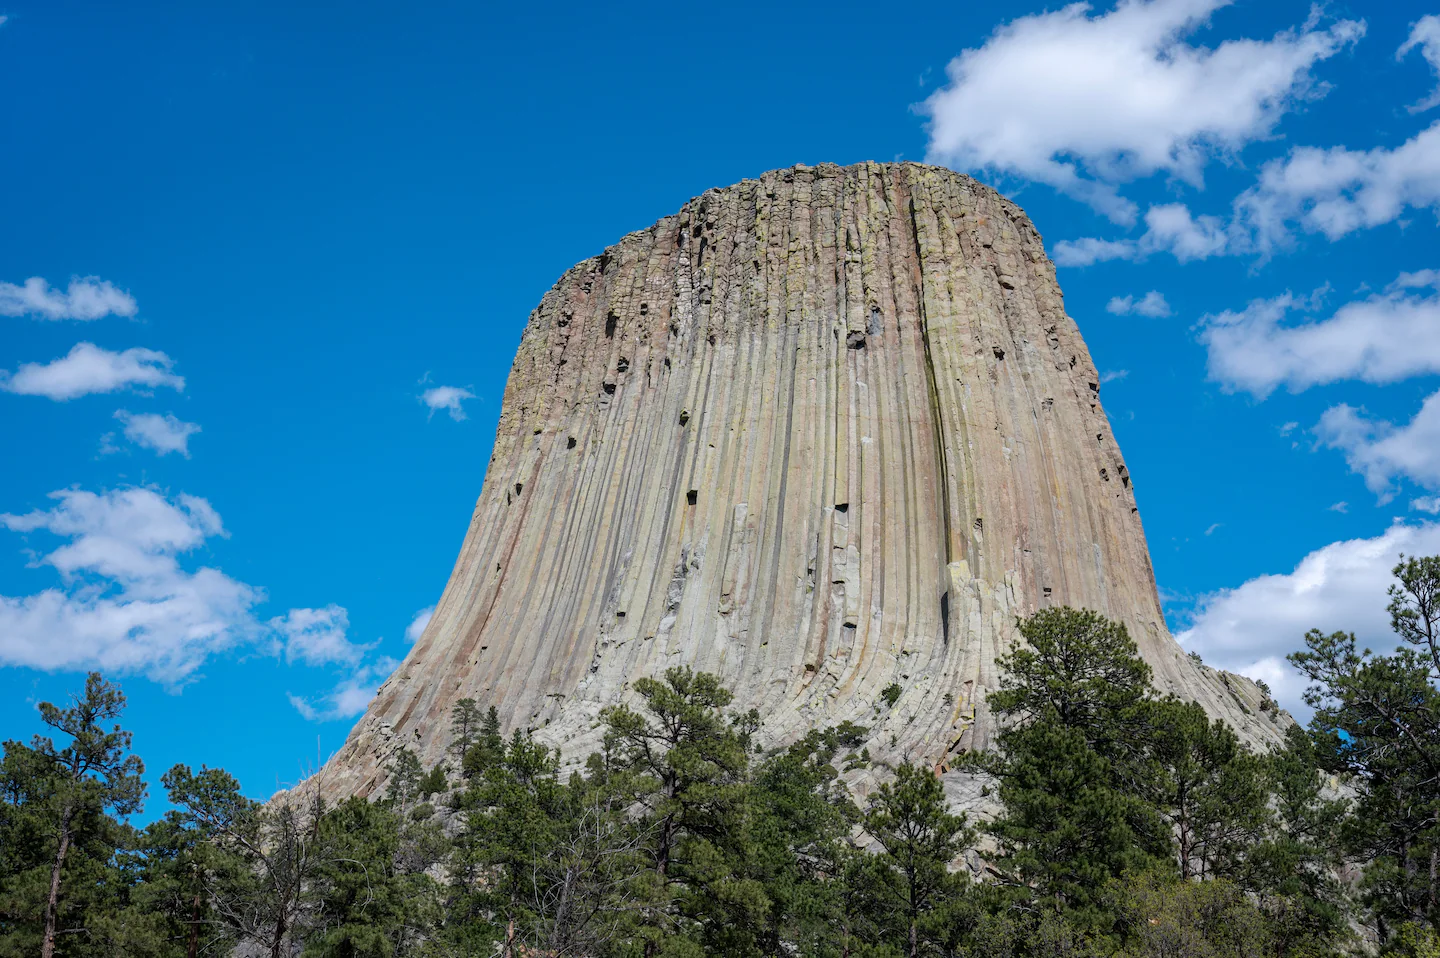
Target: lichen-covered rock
pixel 818 433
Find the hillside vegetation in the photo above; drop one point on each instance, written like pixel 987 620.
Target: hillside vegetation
pixel 1129 824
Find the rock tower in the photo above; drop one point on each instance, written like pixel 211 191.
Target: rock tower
pixel 819 432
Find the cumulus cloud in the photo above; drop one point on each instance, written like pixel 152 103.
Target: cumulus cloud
pixel 163 434
pixel 86 298
pixel 1384 338
pixel 1251 628
pixel 1382 452
pixel 1169 228
pixel 1425 34
pixel 1151 304
pixel 1332 191
pixel 1337 191
pixel 1430 504
pixel 1086 102
pixel 126 604
pixel 89 369
pixel 317 636
pixel 417 624
pixel 448 398
pixel 348 698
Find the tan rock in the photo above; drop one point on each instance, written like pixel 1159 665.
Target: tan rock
pixel 818 433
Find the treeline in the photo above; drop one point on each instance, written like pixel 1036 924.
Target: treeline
pixel 1127 824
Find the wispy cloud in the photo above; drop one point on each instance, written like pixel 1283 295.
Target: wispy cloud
pixel 1381 339
pixel 162 434
pixel 87 369
pixel 86 298
pixel 317 636
pixel 1383 452
pixel 449 398
pixel 348 698
pixel 1152 304
pixel 1424 35
pixel 417 625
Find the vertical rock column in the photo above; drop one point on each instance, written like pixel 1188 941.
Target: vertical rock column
pixel 818 433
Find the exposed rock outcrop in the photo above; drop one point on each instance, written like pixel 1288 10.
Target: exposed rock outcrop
pixel 819 432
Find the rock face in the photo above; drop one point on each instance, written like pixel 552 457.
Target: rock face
pixel 818 433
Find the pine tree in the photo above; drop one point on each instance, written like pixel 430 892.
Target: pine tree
pixel 1209 788
pixel 1073 763
pixel 1377 721
pixel 93 775
pixel 919 838
pixel 687 759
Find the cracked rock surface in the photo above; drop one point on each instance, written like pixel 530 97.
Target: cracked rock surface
pixel 818 432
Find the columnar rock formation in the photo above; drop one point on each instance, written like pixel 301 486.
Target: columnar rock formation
pixel 819 433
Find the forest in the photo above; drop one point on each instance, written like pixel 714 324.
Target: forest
pixel 1125 823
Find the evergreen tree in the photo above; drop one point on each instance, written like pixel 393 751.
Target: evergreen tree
pixel 1377 721
pixel 1209 788
pixel 1073 763
pixel 262 877
pixel 919 838
pixel 366 904
pixel 796 840
pixel 60 838
pixel 687 760
pixel 1293 872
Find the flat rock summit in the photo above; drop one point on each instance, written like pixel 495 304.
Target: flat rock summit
pixel 821 432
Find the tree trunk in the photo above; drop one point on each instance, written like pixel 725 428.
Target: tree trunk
pixel 1434 876
pixel 192 950
pixel 52 902
pixel 280 930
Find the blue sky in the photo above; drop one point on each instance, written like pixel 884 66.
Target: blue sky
pixel 246 244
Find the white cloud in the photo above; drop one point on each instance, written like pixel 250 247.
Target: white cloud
pixel 317 636
pixel 1151 304
pixel 1213 526
pixel 350 697
pixel 417 624
pixel 1250 629
pixel 1425 34
pixel 1113 375
pixel 164 434
pixel 1430 504
pixel 126 605
pixel 86 298
pixel 89 369
pixel 1337 191
pixel 1083 103
pixel 1341 507
pixel 449 398
pixel 1170 228
pixel 1087 251
pixel 1334 192
pixel 1382 452
pixel 1381 339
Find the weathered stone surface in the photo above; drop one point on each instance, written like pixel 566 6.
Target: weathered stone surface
pixel 819 432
